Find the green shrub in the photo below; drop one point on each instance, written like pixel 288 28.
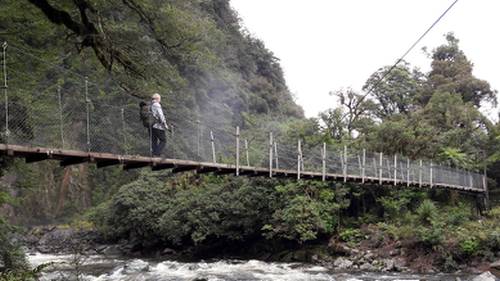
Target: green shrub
pixel 427 212
pixel 457 215
pixel 469 246
pixel 305 210
pixel 351 235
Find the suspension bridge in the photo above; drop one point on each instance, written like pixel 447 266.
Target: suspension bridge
pixel 68 118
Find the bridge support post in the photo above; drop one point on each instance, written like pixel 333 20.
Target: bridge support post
pixel 270 154
pixel 485 189
pixel 299 158
pixel 363 169
pixel 420 174
pixel 212 141
pixel 345 163
pixel 430 176
pixel 323 163
pixel 5 92
pixel 198 137
pixel 124 131
pixel 381 158
pixel 276 154
pixel 172 137
pixel 237 151
pixel 87 103
pixel 61 123
pixel 395 169
pixel 246 153
pixel 471 185
pixel 407 172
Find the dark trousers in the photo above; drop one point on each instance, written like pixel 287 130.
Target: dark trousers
pixel 158 141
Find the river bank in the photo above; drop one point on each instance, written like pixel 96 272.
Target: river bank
pixel 372 254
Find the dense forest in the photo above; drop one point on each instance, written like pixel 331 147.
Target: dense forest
pixel 198 55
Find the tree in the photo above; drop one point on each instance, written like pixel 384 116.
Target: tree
pixel 452 72
pixel 397 93
pixel 353 112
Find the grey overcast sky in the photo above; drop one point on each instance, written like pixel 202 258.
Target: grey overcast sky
pixel 326 45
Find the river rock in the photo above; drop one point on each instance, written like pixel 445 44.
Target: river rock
pixel 387 264
pixel 342 263
pixel 367 267
pixel 113 250
pixel 168 251
pixel 369 256
pixel 399 265
pixel 486 276
pixel 495 268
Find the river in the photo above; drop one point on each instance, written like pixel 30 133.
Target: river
pixel 100 268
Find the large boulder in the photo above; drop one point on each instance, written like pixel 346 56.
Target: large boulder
pixel 486 276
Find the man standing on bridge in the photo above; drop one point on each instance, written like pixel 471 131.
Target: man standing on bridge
pixel 158 136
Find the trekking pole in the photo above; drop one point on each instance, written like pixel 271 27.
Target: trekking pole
pixel 150 135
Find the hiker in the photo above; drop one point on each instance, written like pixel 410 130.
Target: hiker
pixel 153 119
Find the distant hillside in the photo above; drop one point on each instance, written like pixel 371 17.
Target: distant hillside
pixel 193 52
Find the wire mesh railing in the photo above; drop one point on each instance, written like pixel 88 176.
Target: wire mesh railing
pixel 66 111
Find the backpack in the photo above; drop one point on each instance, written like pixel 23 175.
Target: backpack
pixel 146 115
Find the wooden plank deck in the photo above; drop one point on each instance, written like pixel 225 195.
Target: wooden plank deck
pixel 73 157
